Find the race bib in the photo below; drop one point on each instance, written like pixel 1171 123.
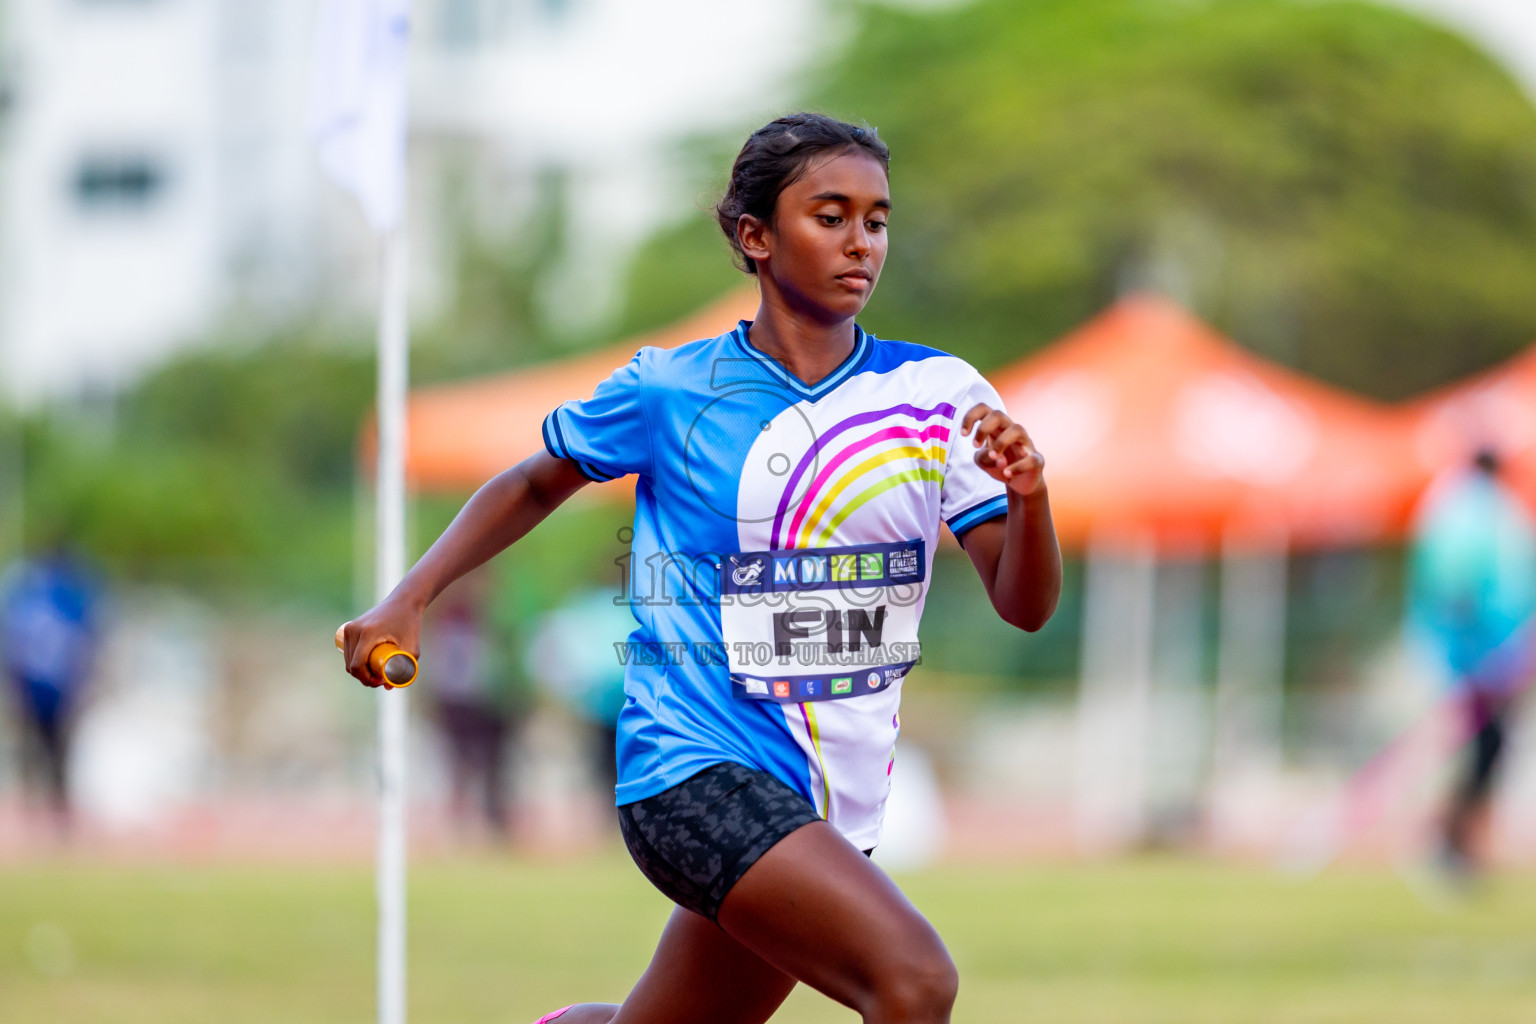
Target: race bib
pixel 810 624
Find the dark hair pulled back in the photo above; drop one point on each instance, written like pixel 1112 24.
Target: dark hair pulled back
pixel 775 156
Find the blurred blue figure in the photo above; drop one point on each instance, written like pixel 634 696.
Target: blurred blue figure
pixel 48 625
pixel 1472 598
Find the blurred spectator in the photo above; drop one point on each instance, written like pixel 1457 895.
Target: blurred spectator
pixel 472 709
pixel 48 626
pixel 1473 598
pixel 574 656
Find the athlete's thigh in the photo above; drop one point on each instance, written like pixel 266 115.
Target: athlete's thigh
pixel 820 911
pixel 699 973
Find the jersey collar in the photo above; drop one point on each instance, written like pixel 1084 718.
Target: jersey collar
pixel 862 344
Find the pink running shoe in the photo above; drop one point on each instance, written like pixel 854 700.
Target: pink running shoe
pixel 551 1016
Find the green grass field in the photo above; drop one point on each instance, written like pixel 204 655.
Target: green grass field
pixel 504 941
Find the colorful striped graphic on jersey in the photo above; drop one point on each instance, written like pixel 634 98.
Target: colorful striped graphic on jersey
pixel 934 454
pixel 881 474
pixel 813 729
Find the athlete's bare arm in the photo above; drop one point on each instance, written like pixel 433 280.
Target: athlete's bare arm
pixel 500 512
pixel 1017 557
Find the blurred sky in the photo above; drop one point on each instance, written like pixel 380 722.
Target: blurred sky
pixel 1506 28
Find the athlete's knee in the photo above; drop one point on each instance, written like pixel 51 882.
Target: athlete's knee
pixel 918 988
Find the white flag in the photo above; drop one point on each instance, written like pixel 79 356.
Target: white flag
pixel 358 102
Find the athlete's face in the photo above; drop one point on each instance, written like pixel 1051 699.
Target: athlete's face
pixel 826 243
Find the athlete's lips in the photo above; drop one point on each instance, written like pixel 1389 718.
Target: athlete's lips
pixel 858 277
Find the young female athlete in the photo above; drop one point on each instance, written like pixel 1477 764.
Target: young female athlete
pixel 792 476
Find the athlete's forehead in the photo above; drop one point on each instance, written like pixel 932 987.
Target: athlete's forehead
pixel 848 177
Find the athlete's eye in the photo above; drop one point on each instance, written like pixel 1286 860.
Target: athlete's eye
pixel 875 225
pixel 831 220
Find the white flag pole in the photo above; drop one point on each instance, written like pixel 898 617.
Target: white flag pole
pixel 393 373
pixel 359 121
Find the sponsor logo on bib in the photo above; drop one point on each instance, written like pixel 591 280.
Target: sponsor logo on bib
pixel 746 574
pixel 863 567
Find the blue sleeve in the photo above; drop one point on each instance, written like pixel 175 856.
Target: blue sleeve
pixel 605 435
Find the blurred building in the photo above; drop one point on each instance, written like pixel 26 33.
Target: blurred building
pixel 150 179
pixel 156 174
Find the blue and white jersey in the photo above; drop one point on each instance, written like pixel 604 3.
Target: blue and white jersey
pixel 783 543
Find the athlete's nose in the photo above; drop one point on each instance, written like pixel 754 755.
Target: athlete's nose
pixel 858 242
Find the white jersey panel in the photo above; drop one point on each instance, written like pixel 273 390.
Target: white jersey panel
pixel 839 504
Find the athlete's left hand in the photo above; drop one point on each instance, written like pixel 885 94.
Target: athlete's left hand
pixel 1004 450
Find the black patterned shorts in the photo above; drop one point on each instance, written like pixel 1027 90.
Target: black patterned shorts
pixel 695 840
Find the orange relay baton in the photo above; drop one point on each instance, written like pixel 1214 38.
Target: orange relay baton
pixel 395 665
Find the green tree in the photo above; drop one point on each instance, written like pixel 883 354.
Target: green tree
pixel 232 466
pixel 227 468
pixel 1338 185
pixel 495 319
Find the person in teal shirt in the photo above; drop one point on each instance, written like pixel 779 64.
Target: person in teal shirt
pixel 1472 601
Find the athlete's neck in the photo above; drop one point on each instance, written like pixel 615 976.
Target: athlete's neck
pixel 807 347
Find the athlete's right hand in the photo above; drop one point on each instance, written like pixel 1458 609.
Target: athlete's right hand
pixel 392 620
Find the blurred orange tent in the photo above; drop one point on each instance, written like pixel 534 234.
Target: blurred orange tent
pixel 1154 427
pixel 461 435
pixel 1495 410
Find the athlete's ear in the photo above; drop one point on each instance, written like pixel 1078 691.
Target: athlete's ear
pixel 751 235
